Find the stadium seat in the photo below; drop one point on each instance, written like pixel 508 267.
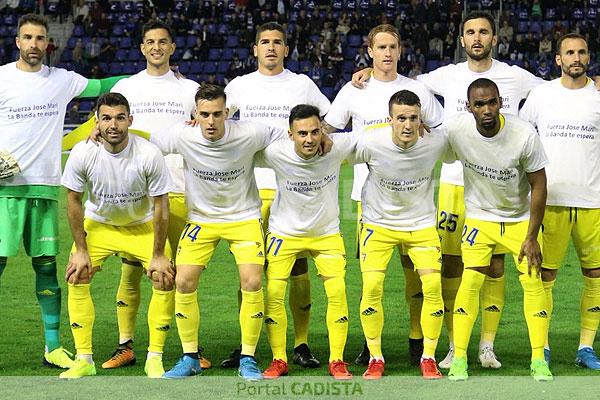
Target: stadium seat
pixel 214 54
pixel 134 54
pixel 184 67
pixel 209 67
pixel 115 68
pixel 523 27
pixel 431 65
pixel 293 65
pixel 535 27
pixel 328 92
pixel 243 53
pixel 129 68
pixel 227 54
pixel 222 67
pixel 121 55
pixel 117 30
pixel 125 43
pixel 190 41
pixel 78 31
pixel 348 66
pixel 196 67
pixel 232 41
pixel 350 53
pixel 180 42
pixel 354 40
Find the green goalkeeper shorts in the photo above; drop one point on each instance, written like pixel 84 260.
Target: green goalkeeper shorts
pixel 35 220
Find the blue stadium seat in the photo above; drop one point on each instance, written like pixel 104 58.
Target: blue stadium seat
pixel 243 53
pixel 180 42
pixel 293 65
pixel 354 40
pixel 350 53
pixel 78 31
pixel 222 67
pixel 184 67
pixel 523 27
pixel 125 43
pixel 71 42
pixel 66 56
pixel 232 41
pixel 117 30
pixel 190 41
pixel 196 68
pixel 86 105
pixel 129 68
pixel 115 68
pixel 227 54
pixel 134 54
pixel 328 92
pixel 348 66
pixel 214 54
pixel 304 65
pixel 121 55
pixel 209 67
pixel 535 27
pixel 548 26
pixel 432 65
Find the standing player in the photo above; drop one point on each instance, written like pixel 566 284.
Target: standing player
pixel 566 112
pixel 126 212
pixel 223 203
pixel 305 218
pixel 33 100
pixel 503 162
pixel 158 100
pixel 478 38
pixel 282 90
pixel 368 110
pixel 398 211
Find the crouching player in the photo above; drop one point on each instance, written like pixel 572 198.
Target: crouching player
pixel 399 211
pixel 305 221
pixel 126 212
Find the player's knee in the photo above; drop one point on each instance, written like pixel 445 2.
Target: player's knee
pixel 184 284
pixel 276 290
pixel 591 272
pixel 452 266
pixel 300 267
pixel 252 283
pixel 373 285
pixel 549 275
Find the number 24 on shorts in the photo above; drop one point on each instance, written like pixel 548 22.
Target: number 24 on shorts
pixel 469 237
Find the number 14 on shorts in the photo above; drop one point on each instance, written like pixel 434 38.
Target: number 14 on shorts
pixel 470 236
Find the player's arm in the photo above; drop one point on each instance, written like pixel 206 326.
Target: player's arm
pixel 360 77
pixel 326 128
pixel 80 265
pixel 530 247
pixel 97 87
pixel 160 269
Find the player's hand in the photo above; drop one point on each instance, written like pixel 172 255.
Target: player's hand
pixel 192 122
pixel 79 267
pixel 531 249
pixel 360 77
pixel 424 128
pixel 161 270
pixel 95 137
pixel 326 145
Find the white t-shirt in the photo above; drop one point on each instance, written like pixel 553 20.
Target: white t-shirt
pixel 157 103
pixel 568 121
pixel 398 192
pixel 495 169
pixel 306 203
pixel 451 82
pixel 219 177
pixel 119 185
pixel 368 109
pixel 32 114
pixel 269 99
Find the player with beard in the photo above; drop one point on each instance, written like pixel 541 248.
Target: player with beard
pixel 566 112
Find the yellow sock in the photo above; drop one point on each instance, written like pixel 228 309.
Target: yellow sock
pixel 492 304
pixel 187 315
pixel 160 313
pixel 81 316
pixel 276 318
pixel 432 315
pixel 300 306
pixel 414 298
pixel 466 307
pixel 449 289
pixel 128 300
pixel 251 319
pixel 337 317
pixel 371 310
pixel 548 286
pixel 590 310
pixel 536 313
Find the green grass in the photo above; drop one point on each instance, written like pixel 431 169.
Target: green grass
pixel 21 344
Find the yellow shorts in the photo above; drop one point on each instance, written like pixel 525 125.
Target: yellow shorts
pixel 327 251
pixel 266 196
pixel 481 239
pixel 377 245
pixel 177 218
pixel 562 223
pixel 451 217
pixel 199 240
pixel 134 243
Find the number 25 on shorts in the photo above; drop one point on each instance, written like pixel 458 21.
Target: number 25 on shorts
pixel 470 236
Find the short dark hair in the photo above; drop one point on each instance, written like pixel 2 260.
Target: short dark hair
pixel 404 97
pixel 156 24
pixel 568 36
pixel 303 111
pixel 112 99
pixel 476 15
pixel 270 26
pixel 34 19
pixel 208 91
pixel 482 83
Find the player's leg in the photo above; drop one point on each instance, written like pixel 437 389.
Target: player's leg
pixel 280 258
pixel 196 246
pixel 376 248
pixel 413 295
pixel 477 247
pixel 423 248
pixel 586 237
pixel 492 304
pixel 556 233
pixel 450 221
pixel 534 298
pixel 364 356
pixel 79 300
pixel 246 242
pixel 40 239
pixel 330 259
pixel 300 305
